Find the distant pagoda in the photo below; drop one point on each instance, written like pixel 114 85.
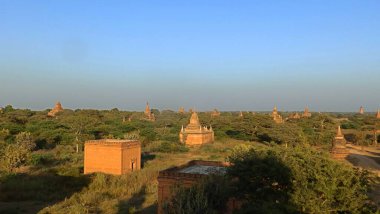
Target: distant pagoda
pixel 378 114
pixel 148 114
pixel 295 116
pixel 181 110
pixel 276 116
pixel 361 110
pixel 306 112
pixel 339 149
pixel 57 108
pixel 215 113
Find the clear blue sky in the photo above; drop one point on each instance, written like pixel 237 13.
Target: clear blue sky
pixel 230 55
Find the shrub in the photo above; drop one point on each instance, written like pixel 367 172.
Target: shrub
pixel 168 147
pixel 297 180
pixel 208 196
pixel 40 159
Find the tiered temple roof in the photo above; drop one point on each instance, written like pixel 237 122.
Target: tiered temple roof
pixel 195 133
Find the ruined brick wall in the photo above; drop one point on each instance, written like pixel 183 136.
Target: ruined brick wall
pixel 171 178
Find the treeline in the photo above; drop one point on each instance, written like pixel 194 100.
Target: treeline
pixel 76 126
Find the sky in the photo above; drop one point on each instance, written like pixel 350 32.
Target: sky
pixel 229 55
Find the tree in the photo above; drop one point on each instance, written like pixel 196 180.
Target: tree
pixel 16 154
pixel 208 196
pixel 278 180
pixel 300 180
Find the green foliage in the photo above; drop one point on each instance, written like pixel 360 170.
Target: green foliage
pixel 15 155
pixel 297 180
pixel 104 192
pixel 40 159
pixel 279 180
pixel 208 196
pixel 168 147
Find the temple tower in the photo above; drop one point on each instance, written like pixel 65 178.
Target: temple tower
pixel 378 114
pixel 306 112
pixel 215 113
pixel 339 149
pixel 295 116
pixel 147 109
pixel 276 116
pixel 195 133
pixel 361 110
pixel 148 114
pixel 57 108
pixel 181 110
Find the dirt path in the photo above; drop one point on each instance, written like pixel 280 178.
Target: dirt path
pixel 365 158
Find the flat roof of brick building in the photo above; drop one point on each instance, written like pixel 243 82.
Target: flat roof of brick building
pixel 113 142
pixel 196 168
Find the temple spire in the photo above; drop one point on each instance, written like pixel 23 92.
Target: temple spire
pixel 194 120
pixel 339 133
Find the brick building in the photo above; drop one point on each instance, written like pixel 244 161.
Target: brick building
pixel 185 175
pixel 112 156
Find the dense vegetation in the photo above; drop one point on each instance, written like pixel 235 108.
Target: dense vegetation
pixel 41 157
pixel 280 180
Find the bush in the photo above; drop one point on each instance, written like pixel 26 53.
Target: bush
pixel 168 147
pixel 278 180
pixel 297 180
pixel 208 196
pixel 40 159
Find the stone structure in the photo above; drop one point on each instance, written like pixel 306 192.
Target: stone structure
pixel 195 134
pixel 148 113
pixel 361 110
pixel 241 114
pixel 306 113
pixel 276 116
pixel 339 149
pixel 57 108
pixel 187 175
pixel 378 114
pixel 112 156
pixel 215 113
pixel 181 110
pixel 295 116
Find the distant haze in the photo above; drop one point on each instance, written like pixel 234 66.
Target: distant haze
pixel 229 55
